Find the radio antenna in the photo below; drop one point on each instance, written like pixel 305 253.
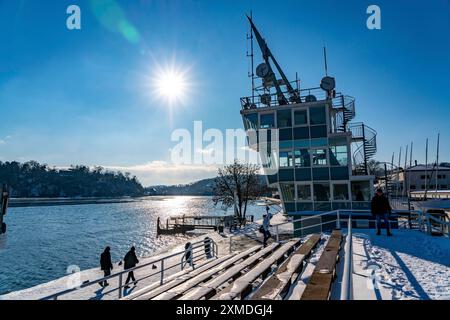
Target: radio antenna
pixel 325 60
pixel 251 56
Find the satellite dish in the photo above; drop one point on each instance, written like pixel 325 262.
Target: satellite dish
pixel 310 98
pixel 262 70
pixel 328 83
pixel 266 98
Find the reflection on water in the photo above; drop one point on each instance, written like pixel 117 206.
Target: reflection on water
pixel 43 241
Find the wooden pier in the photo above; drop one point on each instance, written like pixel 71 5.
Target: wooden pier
pixel 183 224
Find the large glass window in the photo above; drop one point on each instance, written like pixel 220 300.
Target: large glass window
pixel 251 121
pixel 286 159
pixel 304 192
pixel 322 191
pixel 287 191
pixel 338 155
pixel 340 191
pixel 317 115
pixel 300 117
pixel 267 121
pixel 360 190
pixel 319 157
pixel 284 118
pixel 302 158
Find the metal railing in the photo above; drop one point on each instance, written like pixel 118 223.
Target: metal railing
pixel 347 279
pixel 198 253
pixel 429 223
pixel 337 222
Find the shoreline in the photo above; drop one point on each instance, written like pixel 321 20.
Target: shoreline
pixel 46 202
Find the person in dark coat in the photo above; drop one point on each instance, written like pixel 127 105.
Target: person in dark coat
pixel 187 255
pixel 130 260
pixel 381 208
pixel 106 265
pixel 207 243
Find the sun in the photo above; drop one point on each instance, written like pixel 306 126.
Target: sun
pixel 171 85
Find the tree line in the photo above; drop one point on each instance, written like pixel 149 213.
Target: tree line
pixel 32 179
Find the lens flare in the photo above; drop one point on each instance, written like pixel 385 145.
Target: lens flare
pixel 171 85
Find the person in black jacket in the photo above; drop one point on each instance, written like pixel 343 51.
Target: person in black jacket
pixel 130 260
pixel 381 208
pixel 106 265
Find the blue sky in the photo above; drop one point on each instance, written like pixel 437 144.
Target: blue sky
pixel 83 96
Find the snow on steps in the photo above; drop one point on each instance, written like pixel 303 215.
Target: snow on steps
pixel 179 290
pixel 209 289
pixel 176 279
pixel 242 286
pixel 279 284
pixel 319 285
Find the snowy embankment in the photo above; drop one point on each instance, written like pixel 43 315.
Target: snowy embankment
pixel 409 265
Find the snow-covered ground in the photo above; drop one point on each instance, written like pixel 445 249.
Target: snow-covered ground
pixel 409 265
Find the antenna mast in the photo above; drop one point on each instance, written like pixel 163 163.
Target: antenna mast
pixel 426 169
pixel 437 164
pixel 325 59
pixel 251 56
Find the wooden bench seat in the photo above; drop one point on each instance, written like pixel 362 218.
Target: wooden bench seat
pixel 278 285
pixel 179 290
pixel 176 279
pixel 243 286
pixel 319 285
pixel 209 289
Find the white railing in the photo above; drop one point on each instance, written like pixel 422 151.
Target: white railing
pixel 275 229
pixel 347 278
pixel 430 223
pixel 198 253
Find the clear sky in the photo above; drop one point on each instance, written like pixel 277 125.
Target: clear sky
pixel 84 96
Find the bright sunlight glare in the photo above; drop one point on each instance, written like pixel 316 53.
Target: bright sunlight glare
pixel 171 85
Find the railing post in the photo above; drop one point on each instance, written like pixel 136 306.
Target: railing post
pixel 230 244
pixel 338 221
pixel 347 286
pixel 278 235
pixel 428 225
pixel 120 286
pixel 162 272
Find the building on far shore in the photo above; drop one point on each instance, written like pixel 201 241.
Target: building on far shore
pixel 418 178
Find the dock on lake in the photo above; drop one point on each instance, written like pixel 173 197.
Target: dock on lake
pixel 182 224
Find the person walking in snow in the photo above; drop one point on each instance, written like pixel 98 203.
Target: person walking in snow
pixel 381 209
pixel 106 265
pixel 187 257
pixel 266 225
pixel 130 260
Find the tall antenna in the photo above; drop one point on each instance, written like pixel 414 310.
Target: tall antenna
pixel 251 56
pixel 426 170
pixel 437 164
pixel 325 60
pixel 404 172
pixel 398 170
pixel 409 176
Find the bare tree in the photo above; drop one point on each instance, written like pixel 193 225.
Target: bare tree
pixel 239 184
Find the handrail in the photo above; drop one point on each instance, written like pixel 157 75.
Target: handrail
pixel 195 245
pixel 429 217
pixel 338 214
pixel 347 283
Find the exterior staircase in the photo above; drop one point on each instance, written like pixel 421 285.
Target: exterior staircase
pixel 365 139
